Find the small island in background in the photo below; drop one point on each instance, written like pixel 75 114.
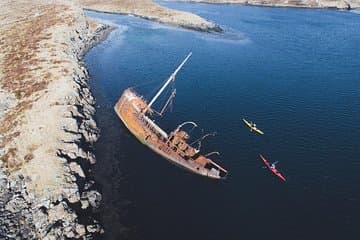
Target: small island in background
pixel 335 4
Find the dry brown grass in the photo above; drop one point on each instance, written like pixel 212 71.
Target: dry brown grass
pixel 21 45
pixel 12 119
pixel 127 4
pixel 28 157
pixel 28 58
pixel 23 70
pixel 130 6
pixel 9 159
pixel 12 161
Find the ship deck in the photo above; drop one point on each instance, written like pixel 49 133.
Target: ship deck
pixel 130 108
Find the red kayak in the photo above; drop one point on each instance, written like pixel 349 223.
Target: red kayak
pixel 272 169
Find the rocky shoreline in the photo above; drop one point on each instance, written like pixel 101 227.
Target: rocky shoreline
pixel 150 10
pixel 47 130
pixel 330 4
pixel 47 133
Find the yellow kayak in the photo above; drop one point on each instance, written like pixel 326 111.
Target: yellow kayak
pixel 253 127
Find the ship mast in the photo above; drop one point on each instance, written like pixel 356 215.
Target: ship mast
pixel 171 78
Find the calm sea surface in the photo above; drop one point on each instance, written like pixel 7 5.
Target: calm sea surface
pixel 295 72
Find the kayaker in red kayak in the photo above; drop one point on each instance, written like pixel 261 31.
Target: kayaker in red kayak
pixel 272 167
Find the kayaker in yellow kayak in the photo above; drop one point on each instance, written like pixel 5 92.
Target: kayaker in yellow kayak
pixel 252 127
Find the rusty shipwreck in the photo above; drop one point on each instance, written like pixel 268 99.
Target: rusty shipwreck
pixel 135 113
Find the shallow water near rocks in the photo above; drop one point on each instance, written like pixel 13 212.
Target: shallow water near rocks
pixel 295 72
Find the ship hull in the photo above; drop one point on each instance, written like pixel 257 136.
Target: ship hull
pixel 128 108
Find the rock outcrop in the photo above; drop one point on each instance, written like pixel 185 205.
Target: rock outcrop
pixel 46 121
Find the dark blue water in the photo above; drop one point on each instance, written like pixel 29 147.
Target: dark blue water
pixel 296 73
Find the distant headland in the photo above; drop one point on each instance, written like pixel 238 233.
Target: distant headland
pixel 332 4
pixel 147 9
